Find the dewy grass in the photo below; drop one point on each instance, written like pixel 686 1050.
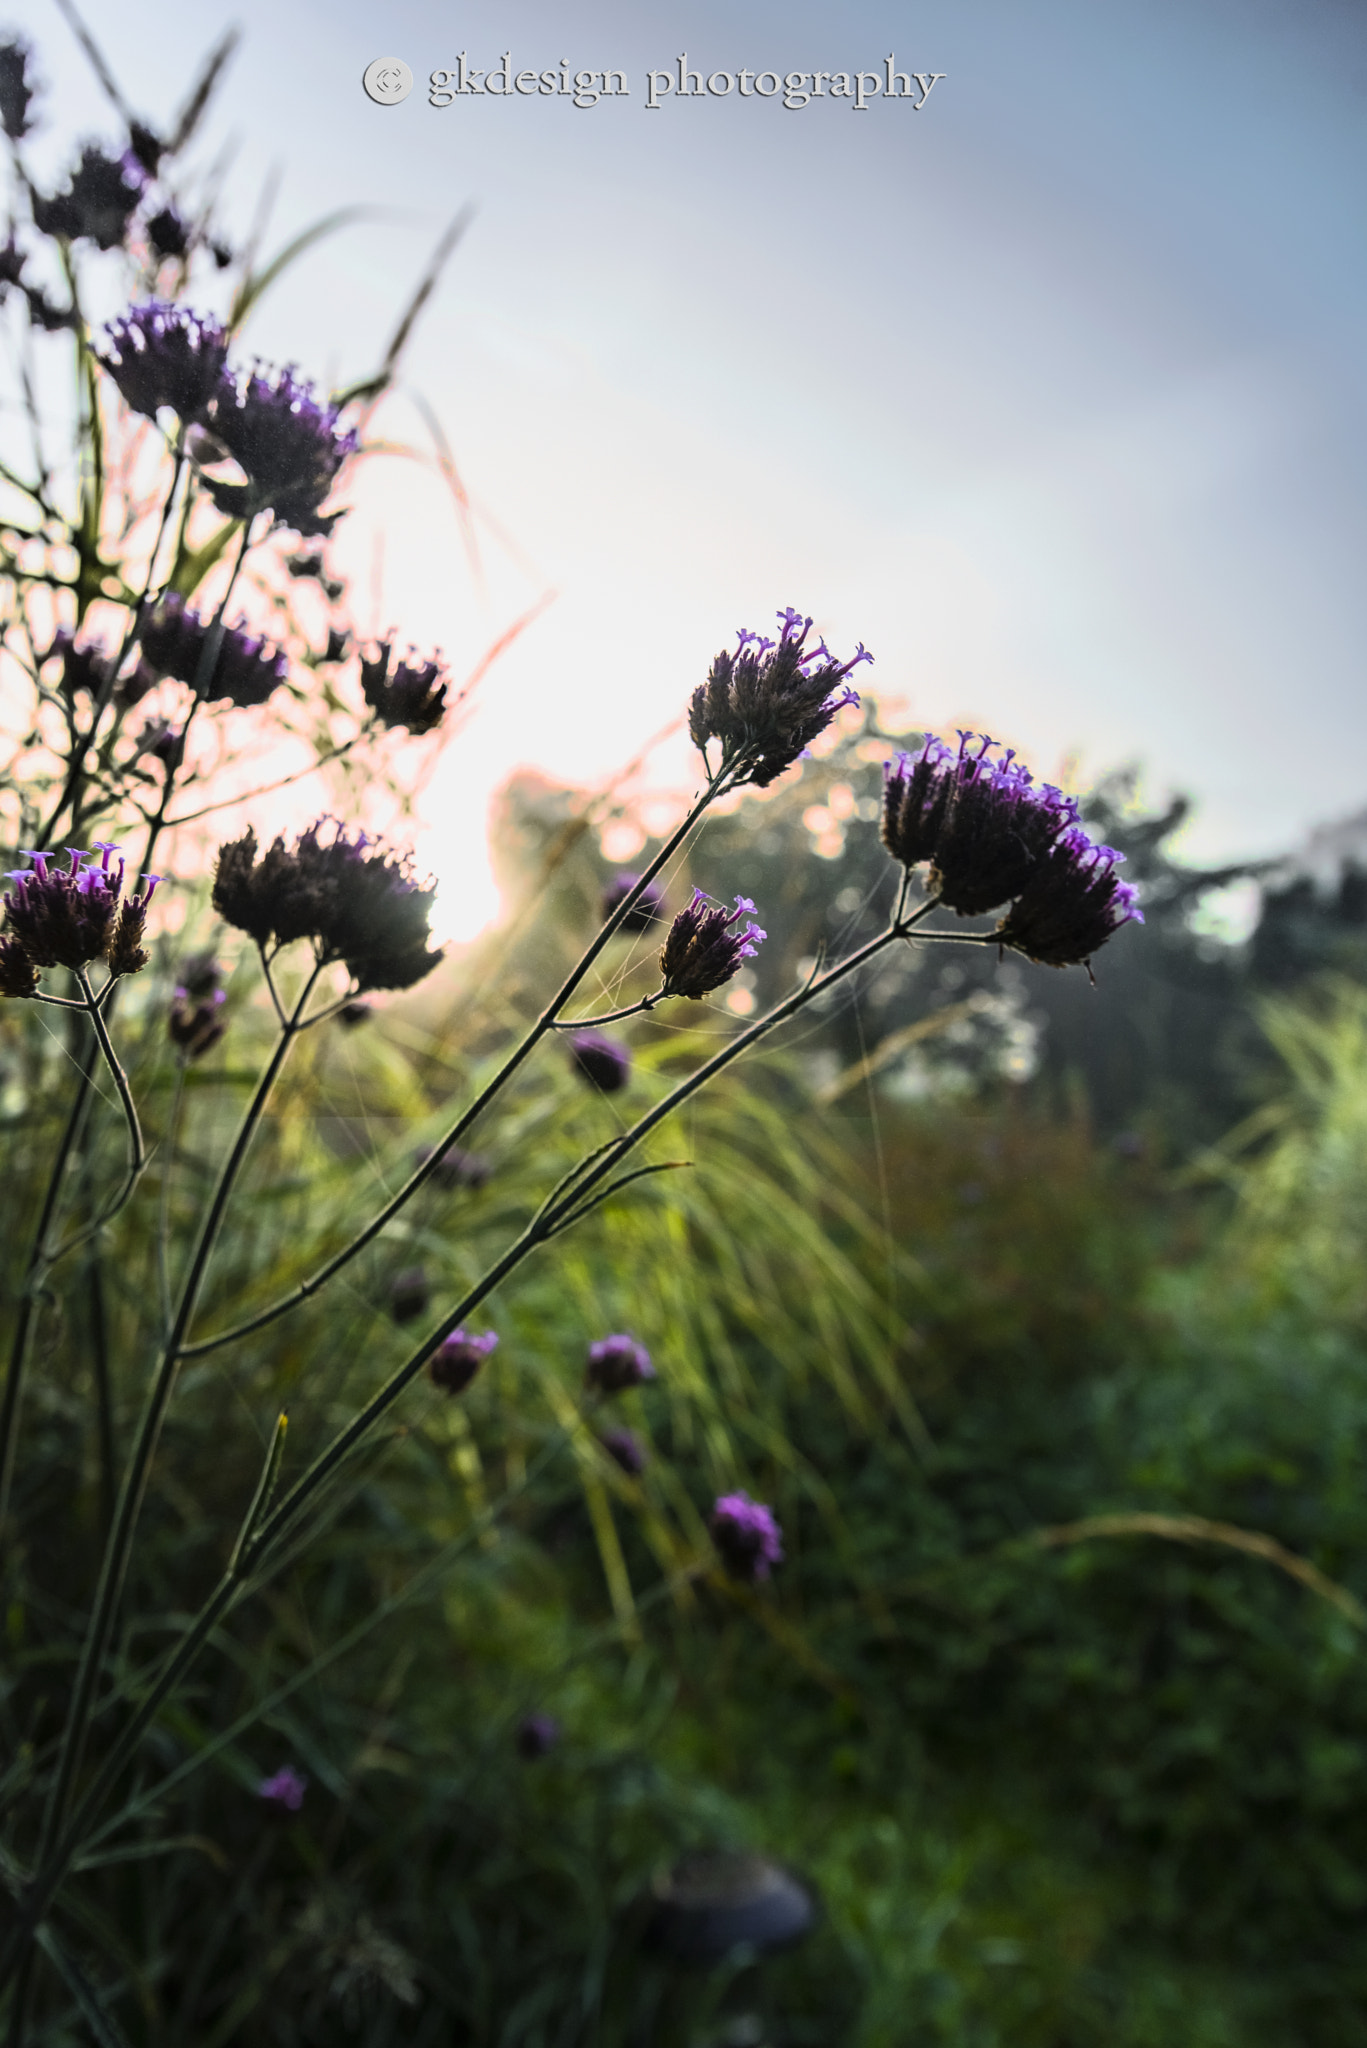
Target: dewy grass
pixel 118 727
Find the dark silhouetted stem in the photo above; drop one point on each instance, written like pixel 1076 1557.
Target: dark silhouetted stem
pixel 546 1022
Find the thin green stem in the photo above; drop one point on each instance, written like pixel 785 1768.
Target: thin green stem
pixel 131 1493
pixel 426 1575
pixel 61 1845
pixel 70 797
pixel 35 1269
pixel 164 1196
pixel 646 1004
pixel 543 1225
pixel 137 1150
pixel 546 1022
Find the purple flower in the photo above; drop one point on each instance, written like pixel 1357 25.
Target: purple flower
pixel 992 835
pixel 983 824
pixel 916 796
pixel 747 1536
pixel 458 1358
pixel 536 1735
pixel 769 700
pixel 290 446
pixel 705 947
pixel 997 828
pixel 246 670
pixel 1072 903
pixel 354 1014
pixel 616 1363
pixel 69 917
pixel 98 202
pixel 15 90
pixel 604 1064
pixel 285 1791
pixel 409 1293
pixel 648 909
pixel 357 905
pixel 625 1448
pixel 163 354
pixel 413 697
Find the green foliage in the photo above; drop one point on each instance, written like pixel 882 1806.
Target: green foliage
pixel 1087 1788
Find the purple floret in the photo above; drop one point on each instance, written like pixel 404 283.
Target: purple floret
pixel 706 946
pixel 413 695
pixel 97 204
pixel 616 1363
pixel 916 794
pixel 290 445
pixel 458 1358
pixel 1073 904
pixel 246 668
pixel 747 1536
pixel 285 1791
pixel 70 916
pixel 997 828
pixel 768 701
pixel 356 900
pixel 163 354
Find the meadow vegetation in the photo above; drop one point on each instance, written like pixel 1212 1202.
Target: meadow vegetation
pixel 1031 1313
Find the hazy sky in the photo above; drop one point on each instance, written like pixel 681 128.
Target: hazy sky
pixel 1050 392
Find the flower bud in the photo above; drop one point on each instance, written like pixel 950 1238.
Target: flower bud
pixel 458 1358
pixel 604 1064
pixel 616 1363
pixel 747 1536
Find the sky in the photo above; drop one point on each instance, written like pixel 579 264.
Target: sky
pixel 1048 390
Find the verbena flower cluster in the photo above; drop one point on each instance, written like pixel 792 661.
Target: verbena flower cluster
pixel 992 835
pixel 100 199
pixel 72 916
pixel 355 900
pixel 245 669
pixel 706 945
pixel 413 695
pixel 457 1359
pixel 616 1363
pixel 163 354
pixel 748 1538
pixel 288 443
pixel 768 701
